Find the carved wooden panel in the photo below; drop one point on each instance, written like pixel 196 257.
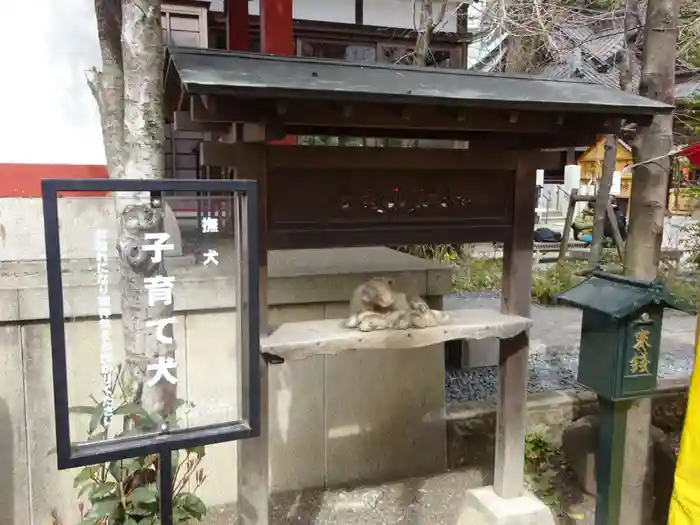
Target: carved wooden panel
pixel 320 207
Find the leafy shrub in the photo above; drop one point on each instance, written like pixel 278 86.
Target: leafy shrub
pixel 558 278
pixel 125 492
pixel 482 275
pixel 444 253
pixel 478 275
pixel 693 241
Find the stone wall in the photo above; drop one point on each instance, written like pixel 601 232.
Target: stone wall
pixel 471 425
pixel 340 419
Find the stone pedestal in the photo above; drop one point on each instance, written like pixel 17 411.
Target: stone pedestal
pixel 363 415
pixel 485 507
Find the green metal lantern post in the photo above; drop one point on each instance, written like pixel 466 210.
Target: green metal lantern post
pixel 618 360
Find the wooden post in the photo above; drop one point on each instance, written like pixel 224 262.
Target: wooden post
pixel 277 35
pixel 602 201
pixel 564 245
pixel 513 353
pixel 253 454
pixel 617 236
pixel 276 27
pixel 359 12
pixel 237 25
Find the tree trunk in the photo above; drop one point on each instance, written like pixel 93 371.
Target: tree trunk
pixel 602 198
pixel 643 247
pixel 129 94
pixel 425 30
pixel 428 24
pixel 650 181
pixel 143 52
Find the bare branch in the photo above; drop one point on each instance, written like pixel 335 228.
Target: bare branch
pixel 631 32
pixel 441 15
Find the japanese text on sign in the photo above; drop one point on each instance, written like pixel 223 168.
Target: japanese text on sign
pixel 639 364
pixel 160 290
pixel 104 311
pixel 210 225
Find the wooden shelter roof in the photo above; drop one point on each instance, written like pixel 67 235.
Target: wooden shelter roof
pixel 214 72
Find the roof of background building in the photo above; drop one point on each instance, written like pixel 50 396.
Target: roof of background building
pixel 599 43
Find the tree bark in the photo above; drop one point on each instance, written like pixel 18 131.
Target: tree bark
pixel 143 54
pixel 648 197
pixel 602 198
pixel 643 247
pixel 129 93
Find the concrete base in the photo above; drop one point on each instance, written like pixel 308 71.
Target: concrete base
pixel 483 505
pixel 480 352
pixel 474 353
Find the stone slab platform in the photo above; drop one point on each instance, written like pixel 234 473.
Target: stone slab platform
pixel 304 339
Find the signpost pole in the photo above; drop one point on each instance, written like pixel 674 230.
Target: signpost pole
pixel 610 460
pixel 165 489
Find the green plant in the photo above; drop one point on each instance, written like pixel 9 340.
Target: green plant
pixel 125 492
pixel 547 475
pixel 444 253
pixel 683 287
pixel 558 278
pixel 537 450
pixel 692 232
pixel 478 275
pixel 689 193
pixel 541 468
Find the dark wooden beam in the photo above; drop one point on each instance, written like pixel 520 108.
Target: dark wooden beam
pixel 183 122
pixel 378 234
pixel 483 140
pixel 313 113
pixel 351 158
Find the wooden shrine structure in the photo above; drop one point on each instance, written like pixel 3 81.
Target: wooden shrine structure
pixel 334 196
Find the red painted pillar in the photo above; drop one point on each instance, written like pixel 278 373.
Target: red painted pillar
pixel 276 27
pixel 277 34
pixel 237 25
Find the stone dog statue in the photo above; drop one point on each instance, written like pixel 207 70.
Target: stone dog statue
pixel 374 305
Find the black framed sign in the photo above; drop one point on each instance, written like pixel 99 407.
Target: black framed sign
pixel 154 315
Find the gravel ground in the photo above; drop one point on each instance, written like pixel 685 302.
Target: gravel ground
pixel 554 350
pixel 435 500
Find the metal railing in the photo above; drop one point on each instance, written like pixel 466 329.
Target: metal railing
pixel 548 200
